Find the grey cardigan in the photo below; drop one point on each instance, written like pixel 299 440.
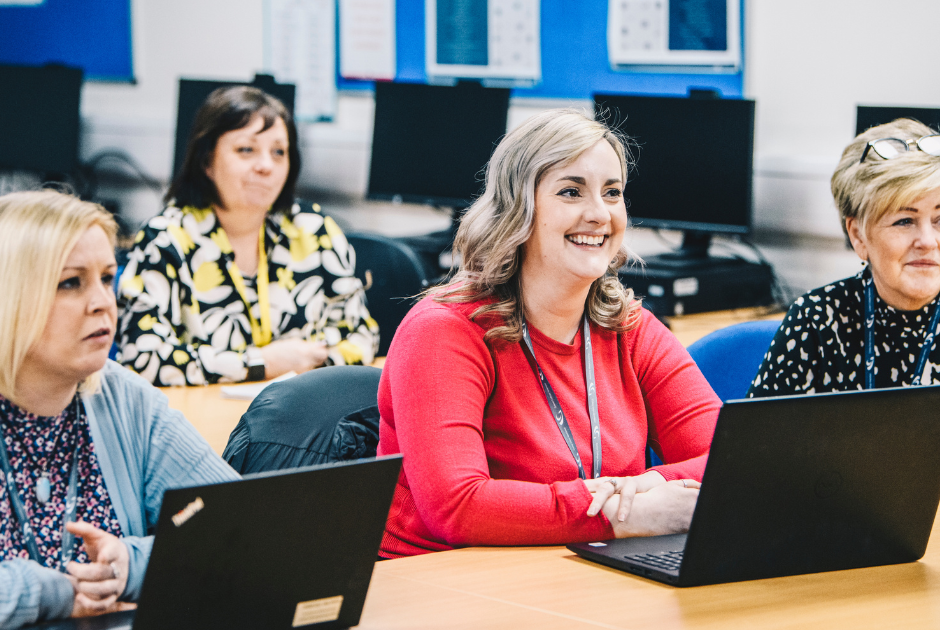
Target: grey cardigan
pixel 143 448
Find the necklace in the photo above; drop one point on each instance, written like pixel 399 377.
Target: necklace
pixel 43 486
pixel 71 502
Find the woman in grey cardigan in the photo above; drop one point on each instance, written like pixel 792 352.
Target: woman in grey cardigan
pixel 88 447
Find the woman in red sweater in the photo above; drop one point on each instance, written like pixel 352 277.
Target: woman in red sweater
pixel 522 394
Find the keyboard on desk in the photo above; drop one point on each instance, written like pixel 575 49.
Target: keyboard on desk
pixel 666 561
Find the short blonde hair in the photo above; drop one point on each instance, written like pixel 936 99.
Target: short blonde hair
pixel 868 190
pixel 38 231
pixel 493 230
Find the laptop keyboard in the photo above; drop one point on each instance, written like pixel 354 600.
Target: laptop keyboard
pixel 667 561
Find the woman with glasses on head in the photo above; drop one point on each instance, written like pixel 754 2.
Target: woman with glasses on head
pixel 234 281
pixel 877 328
pixel 523 393
pixel 87 447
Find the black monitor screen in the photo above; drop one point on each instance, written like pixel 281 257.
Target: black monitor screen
pixel 694 160
pixel 867 116
pixel 431 143
pixel 39 118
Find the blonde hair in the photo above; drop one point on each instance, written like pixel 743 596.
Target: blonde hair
pixel 38 231
pixel 868 190
pixel 493 230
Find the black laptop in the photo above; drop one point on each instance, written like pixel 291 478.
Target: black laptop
pixel 803 484
pixel 286 550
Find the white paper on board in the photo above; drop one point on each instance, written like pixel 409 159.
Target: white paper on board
pixel 367 39
pixel 300 48
pixel 500 41
pixel 690 34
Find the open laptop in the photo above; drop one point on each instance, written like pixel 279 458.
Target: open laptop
pixel 278 550
pixel 803 484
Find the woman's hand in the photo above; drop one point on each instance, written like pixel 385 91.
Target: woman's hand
pixel 603 488
pixel 665 509
pixel 99 583
pixel 287 355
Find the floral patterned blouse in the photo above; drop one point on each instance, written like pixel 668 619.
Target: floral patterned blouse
pixel 37 443
pixel 183 322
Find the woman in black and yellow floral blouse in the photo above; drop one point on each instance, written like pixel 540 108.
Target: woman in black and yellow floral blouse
pixel 234 281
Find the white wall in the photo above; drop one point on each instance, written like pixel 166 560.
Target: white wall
pixel 807 63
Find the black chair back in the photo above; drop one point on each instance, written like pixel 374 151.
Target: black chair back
pixel 325 415
pixel 393 275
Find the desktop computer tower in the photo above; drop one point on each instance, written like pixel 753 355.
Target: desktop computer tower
pixel 716 284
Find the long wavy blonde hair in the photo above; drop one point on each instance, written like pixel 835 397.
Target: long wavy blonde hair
pixel 489 242
pixel 38 231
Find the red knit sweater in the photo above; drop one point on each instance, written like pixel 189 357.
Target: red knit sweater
pixel 484 461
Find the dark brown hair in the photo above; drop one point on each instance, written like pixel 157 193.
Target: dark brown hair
pixel 225 110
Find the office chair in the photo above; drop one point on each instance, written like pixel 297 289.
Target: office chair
pixel 324 415
pixel 729 358
pixel 393 276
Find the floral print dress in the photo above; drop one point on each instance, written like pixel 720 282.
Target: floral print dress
pixel 36 443
pixel 183 322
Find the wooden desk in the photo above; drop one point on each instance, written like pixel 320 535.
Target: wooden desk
pixel 213 416
pixel 550 587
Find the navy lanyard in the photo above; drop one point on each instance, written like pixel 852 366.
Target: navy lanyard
pixel 555 406
pixel 925 347
pixel 71 504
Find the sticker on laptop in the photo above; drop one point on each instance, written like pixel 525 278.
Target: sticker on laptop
pixel 188 512
pixel 317 611
pixel 597 544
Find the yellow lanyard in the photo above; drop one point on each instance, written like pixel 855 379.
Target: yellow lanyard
pixel 260 333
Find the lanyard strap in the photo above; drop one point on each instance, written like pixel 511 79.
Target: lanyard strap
pixel 555 406
pixel 260 333
pixel 71 504
pixel 925 348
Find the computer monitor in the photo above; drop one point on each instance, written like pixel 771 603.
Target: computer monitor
pixel 868 116
pixel 694 164
pixel 39 118
pixel 430 143
pixel 194 92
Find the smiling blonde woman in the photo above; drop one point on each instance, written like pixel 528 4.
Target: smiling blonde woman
pixel 522 394
pixel 877 328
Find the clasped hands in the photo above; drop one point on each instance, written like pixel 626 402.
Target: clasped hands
pixel 645 505
pixel 99 583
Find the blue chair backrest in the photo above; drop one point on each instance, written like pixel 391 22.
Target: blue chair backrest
pixel 729 358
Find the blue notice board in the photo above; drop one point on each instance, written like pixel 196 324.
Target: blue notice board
pixel 94 35
pixel 575 63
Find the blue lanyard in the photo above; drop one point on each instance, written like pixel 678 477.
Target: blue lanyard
pixel 71 504
pixel 925 347
pixel 555 406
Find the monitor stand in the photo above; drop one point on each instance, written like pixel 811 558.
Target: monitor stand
pixel 690 280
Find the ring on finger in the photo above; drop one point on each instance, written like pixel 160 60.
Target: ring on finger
pixel 614 482
pixel 684 484
pixel 115 571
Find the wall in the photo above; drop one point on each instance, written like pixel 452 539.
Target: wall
pixel 809 62
pixel 806 63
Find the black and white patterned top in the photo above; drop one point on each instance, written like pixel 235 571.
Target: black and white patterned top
pixel 820 346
